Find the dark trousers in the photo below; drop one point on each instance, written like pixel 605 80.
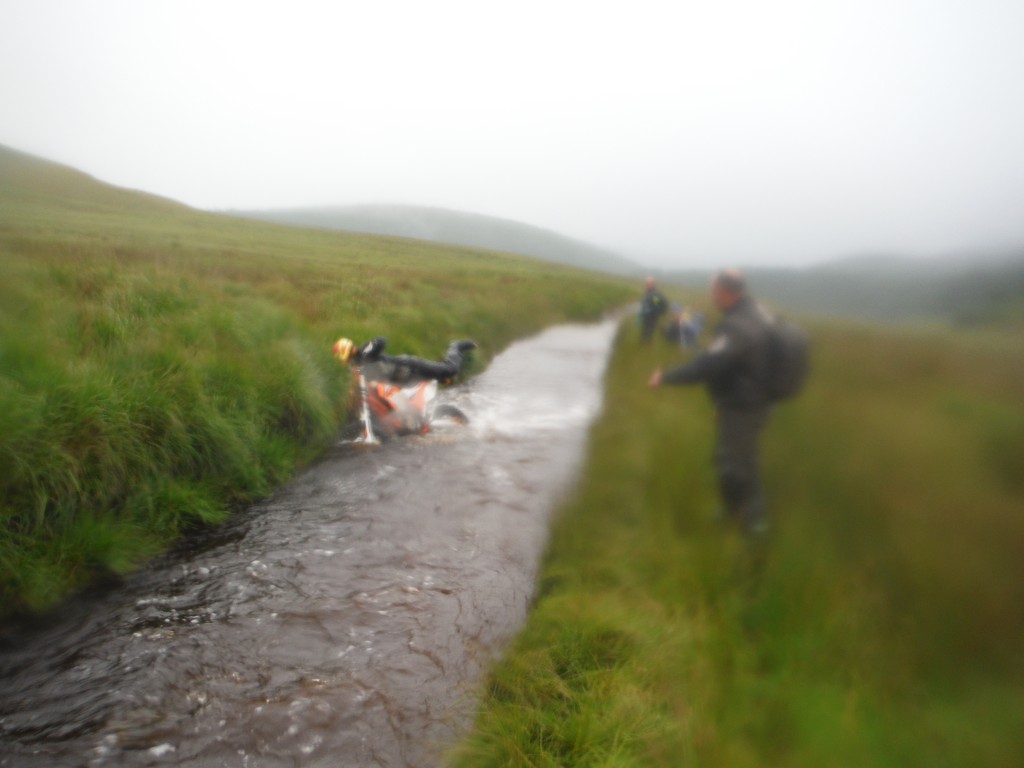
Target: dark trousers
pixel 406 367
pixel 648 322
pixel 736 463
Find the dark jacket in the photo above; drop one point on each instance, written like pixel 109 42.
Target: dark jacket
pixel 653 304
pixel 735 364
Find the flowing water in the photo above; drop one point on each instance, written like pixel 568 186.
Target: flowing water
pixel 344 621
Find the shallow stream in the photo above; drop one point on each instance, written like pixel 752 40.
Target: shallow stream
pixel 344 621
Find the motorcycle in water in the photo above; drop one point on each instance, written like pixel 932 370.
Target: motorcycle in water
pixel 392 410
pixel 398 393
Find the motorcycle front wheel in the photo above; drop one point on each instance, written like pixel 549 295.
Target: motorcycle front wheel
pixel 451 413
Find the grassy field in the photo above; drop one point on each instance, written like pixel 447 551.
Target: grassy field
pixel 159 365
pixel 880 624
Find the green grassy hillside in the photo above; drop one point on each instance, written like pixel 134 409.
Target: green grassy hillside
pixel 444 226
pixel 881 622
pixel 159 365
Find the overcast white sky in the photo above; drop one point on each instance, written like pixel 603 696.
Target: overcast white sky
pixel 678 133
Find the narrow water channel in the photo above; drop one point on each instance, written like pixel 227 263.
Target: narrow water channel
pixel 344 621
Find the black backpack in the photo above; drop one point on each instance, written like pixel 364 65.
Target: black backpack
pixel 788 358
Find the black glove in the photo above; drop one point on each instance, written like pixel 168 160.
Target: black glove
pixel 371 350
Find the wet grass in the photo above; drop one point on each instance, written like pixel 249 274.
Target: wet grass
pixel 160 366
pixel 879 624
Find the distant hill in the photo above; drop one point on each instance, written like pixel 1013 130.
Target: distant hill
pixel 27 181
pixel 446 226
pixel 967 289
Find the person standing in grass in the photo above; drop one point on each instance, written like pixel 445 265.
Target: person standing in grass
pixel 734 367
pixel 652 306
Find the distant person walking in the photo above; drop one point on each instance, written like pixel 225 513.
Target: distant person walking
pixel 734 367
pixel 652 306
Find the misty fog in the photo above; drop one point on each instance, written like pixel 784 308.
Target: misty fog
pixel 677 136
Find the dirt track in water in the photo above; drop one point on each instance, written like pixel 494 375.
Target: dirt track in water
pixel 346 620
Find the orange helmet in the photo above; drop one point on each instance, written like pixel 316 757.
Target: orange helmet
pixel 344 349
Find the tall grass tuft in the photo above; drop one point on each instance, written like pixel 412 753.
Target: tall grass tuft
pixel 879 624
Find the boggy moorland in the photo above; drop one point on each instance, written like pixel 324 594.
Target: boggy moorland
pixel 160 365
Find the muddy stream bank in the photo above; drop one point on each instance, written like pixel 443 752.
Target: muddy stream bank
pixel 345 620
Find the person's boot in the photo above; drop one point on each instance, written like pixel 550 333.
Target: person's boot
pixel 755 521
pixel 758 528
